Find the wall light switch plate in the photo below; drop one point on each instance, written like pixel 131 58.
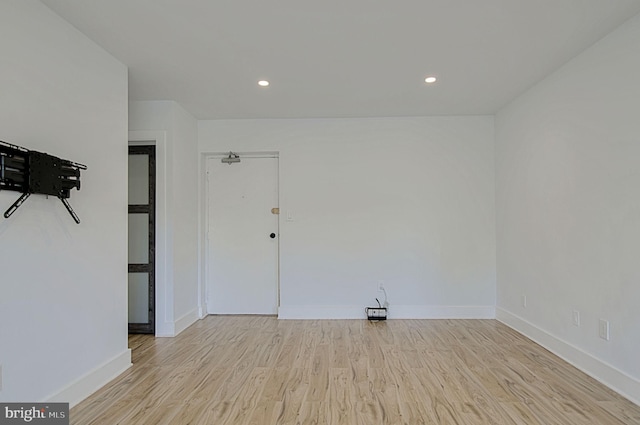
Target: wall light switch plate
pixel 604 329
pixel 576 318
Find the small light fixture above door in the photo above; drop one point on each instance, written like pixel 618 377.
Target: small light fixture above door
pixel 232 158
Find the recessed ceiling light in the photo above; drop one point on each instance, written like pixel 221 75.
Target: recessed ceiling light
pixel 430 80
pixel 263 83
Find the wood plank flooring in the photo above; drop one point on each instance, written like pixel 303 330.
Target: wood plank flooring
pixel 228 370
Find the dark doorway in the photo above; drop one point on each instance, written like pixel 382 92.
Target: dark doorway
pixel 142 212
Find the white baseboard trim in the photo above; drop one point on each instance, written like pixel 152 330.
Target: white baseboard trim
pixel 609 375
pixel 171 329
pixel 442 312
pixel 395 312
pixel 187 320
pixel 165 330
pixel 321 312
pixel 89 383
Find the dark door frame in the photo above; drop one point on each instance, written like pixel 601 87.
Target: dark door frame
pixel 149 268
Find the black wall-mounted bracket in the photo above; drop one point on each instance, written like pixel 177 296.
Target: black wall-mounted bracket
pixel 30 172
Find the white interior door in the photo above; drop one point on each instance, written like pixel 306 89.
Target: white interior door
pixel 242 265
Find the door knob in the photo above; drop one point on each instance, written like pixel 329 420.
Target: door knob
pixel 273 235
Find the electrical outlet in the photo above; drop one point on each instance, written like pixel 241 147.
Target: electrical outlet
pixel 576 318
pixel 604 329
pixel 524 301
pixel 381 286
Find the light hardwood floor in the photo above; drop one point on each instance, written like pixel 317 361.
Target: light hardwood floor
pixel 258 370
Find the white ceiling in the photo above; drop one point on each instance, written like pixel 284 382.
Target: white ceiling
pixel 341 58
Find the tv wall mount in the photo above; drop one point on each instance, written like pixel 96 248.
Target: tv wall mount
pixel 30 172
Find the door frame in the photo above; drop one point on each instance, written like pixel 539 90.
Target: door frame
pixel 163 303
pixel 150 326
pixel 204 232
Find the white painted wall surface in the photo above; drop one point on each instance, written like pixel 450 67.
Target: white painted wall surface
pixel 177 293
pixel 406 200
pixel 185 198
pixel 63 309
pixel 568 209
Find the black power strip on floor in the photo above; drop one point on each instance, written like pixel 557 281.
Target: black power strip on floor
pixel 376 313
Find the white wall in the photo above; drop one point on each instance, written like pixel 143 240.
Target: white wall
pixel 63 316
pixel 177 287
pixel 185 198
pixel 406 200
pixel 568 209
